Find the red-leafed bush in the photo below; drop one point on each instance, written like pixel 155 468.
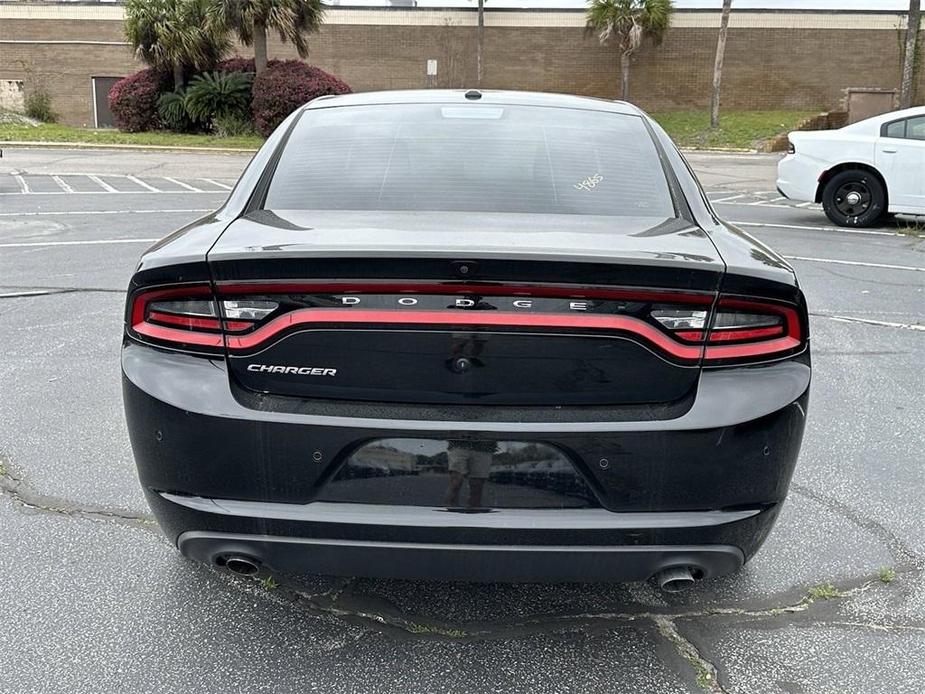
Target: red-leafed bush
pixel 133 100
pixel 286 85
pixel 237 64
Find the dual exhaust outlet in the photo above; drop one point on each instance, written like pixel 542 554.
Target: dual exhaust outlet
pixel 239 564
pixel 674 579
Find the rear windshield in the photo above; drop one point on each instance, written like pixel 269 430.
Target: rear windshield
pixel 471 158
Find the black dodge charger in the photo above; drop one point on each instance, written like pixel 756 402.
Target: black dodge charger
pixel 466 335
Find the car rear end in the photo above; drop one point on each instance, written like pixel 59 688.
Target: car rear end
pixel 400 360
pixel 799 171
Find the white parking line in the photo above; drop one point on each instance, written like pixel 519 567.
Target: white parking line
pixel 64 186
pixel 215 183
pixel 760 203
pixel 840 230
pixel 120 192
pixel 78 173
pixel 731 197
pixel 100 180
pixel 97 242
pixel 102 184
pixel 885 266
pixel 184 185
pixel 871 321
pixel 139 182
pixel 79 213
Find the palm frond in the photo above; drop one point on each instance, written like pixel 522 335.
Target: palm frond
pixel 167 33
pixel 291 19
pixel 629 21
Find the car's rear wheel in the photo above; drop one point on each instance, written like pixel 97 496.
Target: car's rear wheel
pixel 854 198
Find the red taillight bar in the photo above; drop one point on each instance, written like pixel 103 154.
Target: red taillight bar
pixel 188 337
pixel 316 316
pixel 754 342
pixel 789 314
pixel 191 322
pixel 194 322
pixel 141 299
pixel 746 333
pixel 791 339
pixel 752 349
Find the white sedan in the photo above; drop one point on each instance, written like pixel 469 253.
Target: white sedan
pixel 861 173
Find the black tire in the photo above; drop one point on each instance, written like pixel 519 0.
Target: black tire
pixel 854 198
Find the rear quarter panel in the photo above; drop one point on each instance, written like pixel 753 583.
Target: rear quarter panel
pixel 816 153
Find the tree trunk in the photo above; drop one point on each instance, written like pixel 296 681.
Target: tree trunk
pixel 480 42
pixel 907 87
pixel 260 48
pixel 177 76
pixel 718 64
pixel 625 75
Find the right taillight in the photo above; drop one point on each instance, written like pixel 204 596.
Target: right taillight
pixel 741 329
pixel 750 330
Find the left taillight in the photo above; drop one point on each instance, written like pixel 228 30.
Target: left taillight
pixel 190 318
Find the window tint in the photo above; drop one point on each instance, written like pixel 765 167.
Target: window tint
pixel 908 128
pixel 915 128
pixel 895 129
pixel 471 157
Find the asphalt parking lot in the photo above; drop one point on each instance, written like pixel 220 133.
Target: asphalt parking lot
pixel 95 600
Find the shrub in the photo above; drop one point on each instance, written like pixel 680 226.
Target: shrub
pixel 171 109
pixel 214 95
pixel 133 100
pixel 38 105
pixel 233 126
pixel 236 65
pixel 286 85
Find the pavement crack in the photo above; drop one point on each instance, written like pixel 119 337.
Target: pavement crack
pixel 870 321
pixel 375 612
pixel 705 672
pixel 904 556
pixel 21 292
pixel 14 486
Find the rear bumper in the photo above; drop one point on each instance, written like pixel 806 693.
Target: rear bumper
pixel 702 488
pixel 460 562
pixel 798 177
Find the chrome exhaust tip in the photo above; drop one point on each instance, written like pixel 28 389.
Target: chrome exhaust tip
pixel 676 579
pixel 240 564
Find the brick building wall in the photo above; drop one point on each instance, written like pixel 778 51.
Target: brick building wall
pixel 774 60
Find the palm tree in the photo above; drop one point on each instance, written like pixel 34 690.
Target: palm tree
pixel 718 63
pixel 907 86
pixel 630 22
pixel 173 35
pixel 250 20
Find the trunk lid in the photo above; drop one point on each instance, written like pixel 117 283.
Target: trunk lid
pixel 464 308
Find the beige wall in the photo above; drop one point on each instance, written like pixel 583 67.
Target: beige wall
pixel 774 60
